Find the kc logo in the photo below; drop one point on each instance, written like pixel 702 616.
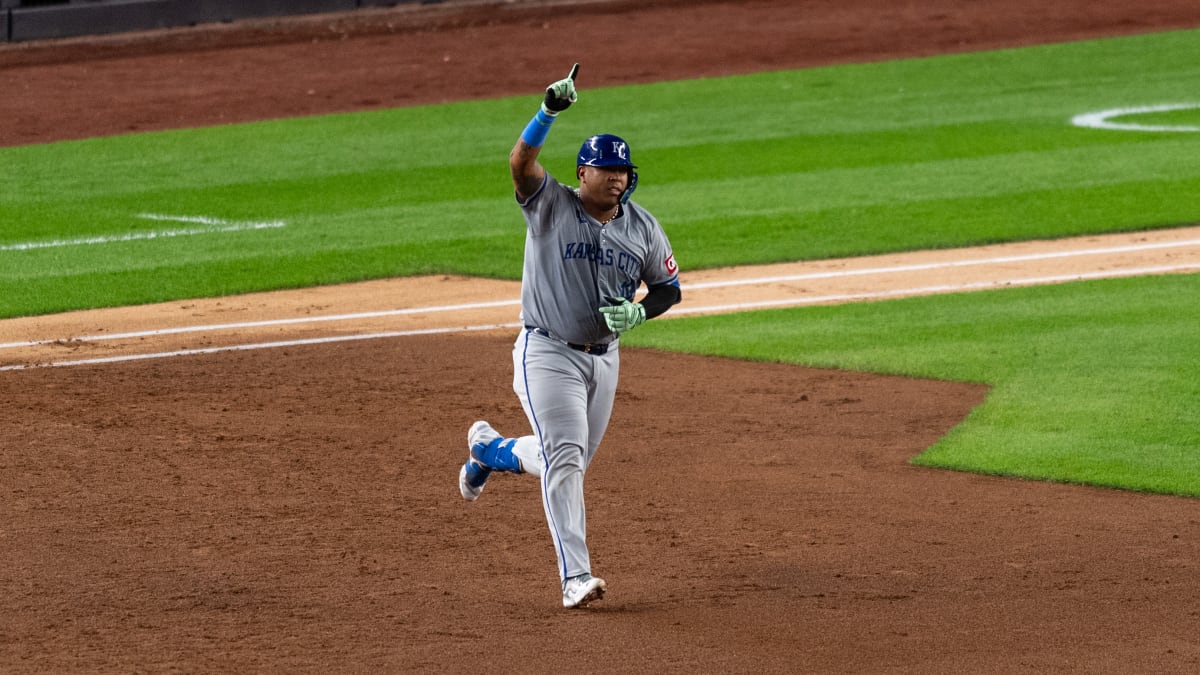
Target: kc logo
pixel 620 150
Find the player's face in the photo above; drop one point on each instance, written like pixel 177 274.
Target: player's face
pixel 603 185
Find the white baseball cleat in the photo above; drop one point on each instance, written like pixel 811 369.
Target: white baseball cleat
pixel 479 435
pixel 579 591
pixel 474 474
pixel 471 479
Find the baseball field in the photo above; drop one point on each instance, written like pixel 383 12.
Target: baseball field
pixel 929 404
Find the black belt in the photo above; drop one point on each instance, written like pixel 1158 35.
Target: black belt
pixel 596 348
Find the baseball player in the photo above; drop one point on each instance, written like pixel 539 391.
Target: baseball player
pixel 587 251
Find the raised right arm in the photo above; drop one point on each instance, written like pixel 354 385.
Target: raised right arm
pixel 527 172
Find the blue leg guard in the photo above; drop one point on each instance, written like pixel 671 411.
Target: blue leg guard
pixel 498 455
pixel 477 474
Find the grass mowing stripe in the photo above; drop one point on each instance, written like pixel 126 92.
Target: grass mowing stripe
pixel 470 222
pixel 805 152
pixel 64 292
pixel 141 236
pixel 1092 381
pixel 427 138
pixel 931 223
pixel 1019 172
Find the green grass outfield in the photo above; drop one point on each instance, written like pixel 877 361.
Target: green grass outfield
pixel 1092 382
pixel 904 155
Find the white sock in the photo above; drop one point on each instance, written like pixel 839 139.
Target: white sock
pixel 529 452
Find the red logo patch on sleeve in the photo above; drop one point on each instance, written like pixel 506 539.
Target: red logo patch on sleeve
pixel 669 263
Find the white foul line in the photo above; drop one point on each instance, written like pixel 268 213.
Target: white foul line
pixel 930 290
pixel 1131 248
pixel 261 345
pixel 789 302
pixel 713 284
pixel 200 220
pixel 216 226
pixel 266 323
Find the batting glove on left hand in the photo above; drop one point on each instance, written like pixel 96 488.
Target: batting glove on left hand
pixel 625 316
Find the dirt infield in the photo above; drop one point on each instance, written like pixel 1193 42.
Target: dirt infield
pixel 295 509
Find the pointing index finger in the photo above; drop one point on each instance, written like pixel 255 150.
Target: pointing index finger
pixel 574 72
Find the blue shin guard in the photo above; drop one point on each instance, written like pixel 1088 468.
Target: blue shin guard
pixel 498 454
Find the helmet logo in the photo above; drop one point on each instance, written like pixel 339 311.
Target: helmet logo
pixel 619 149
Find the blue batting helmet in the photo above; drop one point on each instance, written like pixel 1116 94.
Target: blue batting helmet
pixel 609 150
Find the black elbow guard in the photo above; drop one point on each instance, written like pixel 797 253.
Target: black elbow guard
pixel 660 299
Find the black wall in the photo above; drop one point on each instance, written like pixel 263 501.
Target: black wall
pixel 45 19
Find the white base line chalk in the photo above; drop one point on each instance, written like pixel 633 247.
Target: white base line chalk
pixel 776 304
pixel 261 345
pixel 1131 248
pixel 216 226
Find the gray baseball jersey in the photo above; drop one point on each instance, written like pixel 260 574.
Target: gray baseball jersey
pixel 572 262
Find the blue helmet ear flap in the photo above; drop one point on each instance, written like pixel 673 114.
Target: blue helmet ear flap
pixel 632 186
